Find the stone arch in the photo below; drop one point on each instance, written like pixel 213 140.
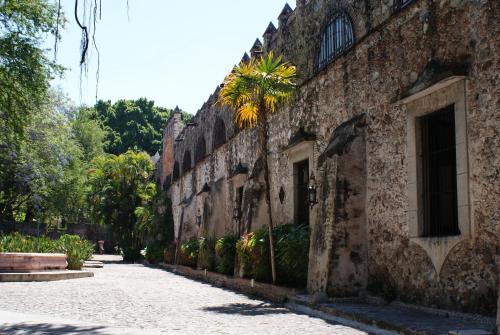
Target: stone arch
pixel 176 172
pixel 200 150
pixel 186 162
pixel 219 133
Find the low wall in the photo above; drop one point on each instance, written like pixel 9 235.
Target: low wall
pixel 31 262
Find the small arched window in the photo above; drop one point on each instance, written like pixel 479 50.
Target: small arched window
pixel 176 172
pixel 186 162
pixel 337 37
pixel 201 150
pixel 219 135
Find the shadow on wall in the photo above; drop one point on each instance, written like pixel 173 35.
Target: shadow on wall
pixel 247 309
pixel 47 328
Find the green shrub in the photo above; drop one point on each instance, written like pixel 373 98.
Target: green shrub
pixel 154 252
pixel 76 250
pixel 206 253
pixel 189 252
pixel 292 254
pixel 226 250
pixel 253 251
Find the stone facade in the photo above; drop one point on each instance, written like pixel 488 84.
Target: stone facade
pixel 359 110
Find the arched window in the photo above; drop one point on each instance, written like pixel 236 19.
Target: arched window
pixel 338 36
pixel 186 162
pixel 201 150
pixel 176 173
pixel 219 135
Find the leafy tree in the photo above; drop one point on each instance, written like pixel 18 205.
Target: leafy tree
pixel 44 176
pixel 132 125
pixel 255 90
pixel 24 69
pixel 89 133
pixel 24 82
pixel 118 185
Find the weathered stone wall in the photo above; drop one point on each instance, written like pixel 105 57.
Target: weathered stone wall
pixel 391 51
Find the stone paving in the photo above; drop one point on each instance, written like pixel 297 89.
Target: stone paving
pixel 127 296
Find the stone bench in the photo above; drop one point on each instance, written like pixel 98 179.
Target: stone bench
pixel 31 262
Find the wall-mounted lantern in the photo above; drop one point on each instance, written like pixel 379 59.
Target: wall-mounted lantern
pixel 311 191
pixel 236 213
pixel 198 219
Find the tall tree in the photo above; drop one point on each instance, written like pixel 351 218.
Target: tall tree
pixel 254 90
pixel 24 83
pixel 118 186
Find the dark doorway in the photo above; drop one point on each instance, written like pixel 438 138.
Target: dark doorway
pixel 439 172
pixel 239 206
pixel 301 176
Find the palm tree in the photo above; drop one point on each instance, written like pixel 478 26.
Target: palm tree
pixel 254 90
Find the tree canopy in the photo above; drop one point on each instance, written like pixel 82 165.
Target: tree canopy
pixel 132 125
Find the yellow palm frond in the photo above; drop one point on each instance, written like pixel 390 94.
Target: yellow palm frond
pixel 258 87
pixel 247 115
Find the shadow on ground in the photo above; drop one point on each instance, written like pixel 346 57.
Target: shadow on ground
pixel 247 309
pixel 47 328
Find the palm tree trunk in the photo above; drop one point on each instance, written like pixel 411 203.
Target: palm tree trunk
pixel 264 137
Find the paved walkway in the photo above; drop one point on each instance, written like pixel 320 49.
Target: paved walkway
pixel 133 299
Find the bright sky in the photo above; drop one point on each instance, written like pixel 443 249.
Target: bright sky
pixel 170 51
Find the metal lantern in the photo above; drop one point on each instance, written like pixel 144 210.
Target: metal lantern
pixel 311 191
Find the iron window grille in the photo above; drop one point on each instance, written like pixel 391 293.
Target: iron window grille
pixel 338 36
pixel 398 4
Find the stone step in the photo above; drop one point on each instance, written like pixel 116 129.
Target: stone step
pixel 44 276
pixel 399 317
pixel 93 264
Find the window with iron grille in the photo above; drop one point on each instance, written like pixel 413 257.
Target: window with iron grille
pixel 439 173
pixel 338 36
pixel 401 3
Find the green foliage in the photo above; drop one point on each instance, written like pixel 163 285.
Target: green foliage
pixel 118 186
pixel 154 252
pixel 156 221
pixel 189 252
pixel 76 250
pixel 258 87
pixel 43 175
pixel 24 70
pixel 25 73
pixel 206 253
pixel 132 125
pixel 292 250
pixel 292 246
pixel 226 250
pixel 18 243
pixel 253 250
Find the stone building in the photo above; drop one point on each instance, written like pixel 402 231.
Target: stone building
pixel 397 119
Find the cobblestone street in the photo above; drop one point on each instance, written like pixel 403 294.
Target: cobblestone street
pixel 125 297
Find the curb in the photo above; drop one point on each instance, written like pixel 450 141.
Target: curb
pixel 44 276
pixel 276 294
